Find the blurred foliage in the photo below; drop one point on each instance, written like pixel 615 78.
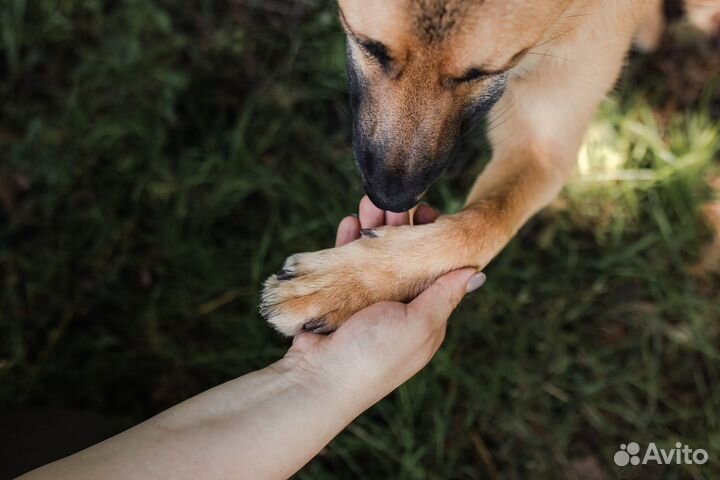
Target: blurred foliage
pixel 159 159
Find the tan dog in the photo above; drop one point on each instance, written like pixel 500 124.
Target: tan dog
pixel 418 70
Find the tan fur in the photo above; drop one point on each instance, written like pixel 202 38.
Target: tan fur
pixel 704 14
pixel 565 57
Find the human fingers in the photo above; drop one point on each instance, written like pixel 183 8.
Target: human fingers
pixel 370 215
pixel 425 214
pixel 439 300
pixel 396 219
pixel 348 230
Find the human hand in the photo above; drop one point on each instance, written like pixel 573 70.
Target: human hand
pixel 382 346
pixel 271 422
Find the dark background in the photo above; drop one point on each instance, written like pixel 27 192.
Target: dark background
pixel 159 159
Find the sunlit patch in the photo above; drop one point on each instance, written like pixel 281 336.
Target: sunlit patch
pixel 631 157
pixel 600 157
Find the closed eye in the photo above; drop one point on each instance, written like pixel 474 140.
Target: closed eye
pixel 377 51
pixel 475 74
pixel 373 49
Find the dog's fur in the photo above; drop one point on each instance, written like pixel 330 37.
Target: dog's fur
pixel 419 70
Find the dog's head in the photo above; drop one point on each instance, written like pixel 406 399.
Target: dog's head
pixel 419 70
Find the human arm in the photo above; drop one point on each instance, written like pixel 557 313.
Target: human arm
pixel 269 423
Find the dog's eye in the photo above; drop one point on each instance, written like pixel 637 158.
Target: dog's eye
pixel 377 51
pixel 474 74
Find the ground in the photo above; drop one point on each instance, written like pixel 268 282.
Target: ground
pixel 159 159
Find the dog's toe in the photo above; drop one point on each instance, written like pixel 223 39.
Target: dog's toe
pixel 318 291
pixel 318 325
pixel 285 275
pixel 313 292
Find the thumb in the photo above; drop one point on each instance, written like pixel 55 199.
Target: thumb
pixel 439 300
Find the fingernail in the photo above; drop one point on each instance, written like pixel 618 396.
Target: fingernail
pixel 354 215
pixel 475 282
pixel 368 233
pixel 317 325
pixel 284 275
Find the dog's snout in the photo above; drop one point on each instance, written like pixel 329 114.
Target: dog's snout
pixel 390 194
pixel 391 187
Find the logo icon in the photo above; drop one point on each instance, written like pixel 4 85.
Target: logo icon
pixel 627 454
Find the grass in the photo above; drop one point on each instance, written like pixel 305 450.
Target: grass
pixel 158 160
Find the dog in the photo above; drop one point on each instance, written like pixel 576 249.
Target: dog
pixel 419 70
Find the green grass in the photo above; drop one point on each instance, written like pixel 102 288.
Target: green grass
pixel 158 159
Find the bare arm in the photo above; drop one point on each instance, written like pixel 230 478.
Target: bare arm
pixel 269 423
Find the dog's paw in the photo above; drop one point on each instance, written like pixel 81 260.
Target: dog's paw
pixel 318 291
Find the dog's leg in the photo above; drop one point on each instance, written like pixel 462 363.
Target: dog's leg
pixel 536 143
pixel 537 140
pixel 651 27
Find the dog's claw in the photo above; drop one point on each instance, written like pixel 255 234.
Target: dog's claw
pixel 285 275
pixel 368 233
pixel 318 325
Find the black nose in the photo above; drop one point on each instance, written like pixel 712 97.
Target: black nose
pixel 393 202
pixel 396 188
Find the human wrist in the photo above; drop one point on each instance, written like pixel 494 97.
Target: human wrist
pixel 341 391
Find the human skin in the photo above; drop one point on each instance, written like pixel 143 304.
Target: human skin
pixel 269 423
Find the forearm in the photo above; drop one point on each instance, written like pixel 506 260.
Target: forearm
pixel 267 424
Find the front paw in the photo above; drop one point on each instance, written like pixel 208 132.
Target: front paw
pixel 317 291
pixel 320 290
